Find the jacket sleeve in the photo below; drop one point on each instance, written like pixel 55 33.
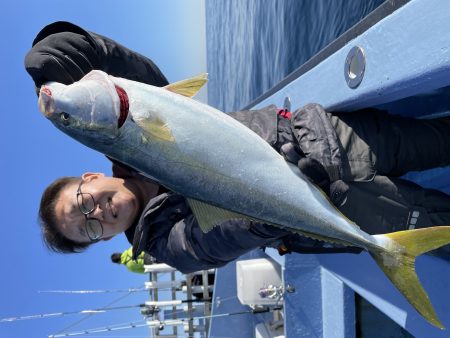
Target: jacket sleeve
pixel 188 249
pixel 170 233
pixel 64 52
pixel 317 138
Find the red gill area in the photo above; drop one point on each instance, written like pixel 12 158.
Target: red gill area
pixel 124 105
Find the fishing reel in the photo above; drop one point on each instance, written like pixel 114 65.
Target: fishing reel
pixel 275 292
pixel 148 311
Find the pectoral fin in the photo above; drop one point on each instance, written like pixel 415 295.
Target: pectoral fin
pixel 156 128
pixel 209 216
pixel 188 87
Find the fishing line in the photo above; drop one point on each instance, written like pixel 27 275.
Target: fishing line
pixel 131 290
pixel 133 336
pixel 158 323
pixel 68 313
pixel 89 316
pixel 110 328
pixel 144 289
pixel 89 312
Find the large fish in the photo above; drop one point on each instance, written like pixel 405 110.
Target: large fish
pixel 223 168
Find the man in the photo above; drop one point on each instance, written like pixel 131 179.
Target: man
pixel 125 258
pixel 349 155
pixel 134 265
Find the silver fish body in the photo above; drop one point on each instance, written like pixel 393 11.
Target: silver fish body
pixel 207 156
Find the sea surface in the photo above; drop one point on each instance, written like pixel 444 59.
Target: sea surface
pixel 253 44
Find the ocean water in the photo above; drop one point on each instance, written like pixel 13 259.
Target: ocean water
pixel 253 44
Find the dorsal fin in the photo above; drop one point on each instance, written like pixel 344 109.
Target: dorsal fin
pixel 188 87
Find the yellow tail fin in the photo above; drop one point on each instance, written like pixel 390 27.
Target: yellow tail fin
pixel 398 263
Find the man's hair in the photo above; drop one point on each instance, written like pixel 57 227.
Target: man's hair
pixel 116 257
pixel 52 236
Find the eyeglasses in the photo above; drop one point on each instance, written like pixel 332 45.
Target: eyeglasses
pixel 86 204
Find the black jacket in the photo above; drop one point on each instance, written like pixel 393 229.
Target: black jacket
pixel 64 52
pixel 168 231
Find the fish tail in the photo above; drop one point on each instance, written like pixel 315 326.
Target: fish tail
pixel 398 263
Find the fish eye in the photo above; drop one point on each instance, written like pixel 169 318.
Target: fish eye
pixel 64 117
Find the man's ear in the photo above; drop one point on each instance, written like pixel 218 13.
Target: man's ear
pixel 91 176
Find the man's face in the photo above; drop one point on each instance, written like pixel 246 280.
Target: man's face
pixel 116 207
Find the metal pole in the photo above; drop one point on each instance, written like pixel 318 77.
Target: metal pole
pixel 174 297
pixel 206 296
pixel 189 299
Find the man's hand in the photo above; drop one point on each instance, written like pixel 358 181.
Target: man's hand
pixel 317 174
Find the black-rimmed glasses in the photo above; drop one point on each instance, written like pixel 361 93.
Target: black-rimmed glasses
pixel 86 204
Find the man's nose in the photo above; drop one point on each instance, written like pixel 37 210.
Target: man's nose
pixel 97 213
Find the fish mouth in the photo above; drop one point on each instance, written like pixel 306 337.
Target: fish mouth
pixel 124 106
pixel 45 102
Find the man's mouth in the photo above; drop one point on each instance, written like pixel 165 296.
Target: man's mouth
pixel 112 208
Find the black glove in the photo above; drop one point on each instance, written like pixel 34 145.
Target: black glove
pixel 317 174
pixel 325 178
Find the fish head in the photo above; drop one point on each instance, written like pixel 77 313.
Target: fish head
pixel 88 110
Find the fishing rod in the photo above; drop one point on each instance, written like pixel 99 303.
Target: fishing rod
pixel 101 310
pixel 162 268
pixel 161 286
pixel 160 324
pixel 80 320
pixel 69 313
pixel 94 291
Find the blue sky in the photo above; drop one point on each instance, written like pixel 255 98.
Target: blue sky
pixel 33 153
